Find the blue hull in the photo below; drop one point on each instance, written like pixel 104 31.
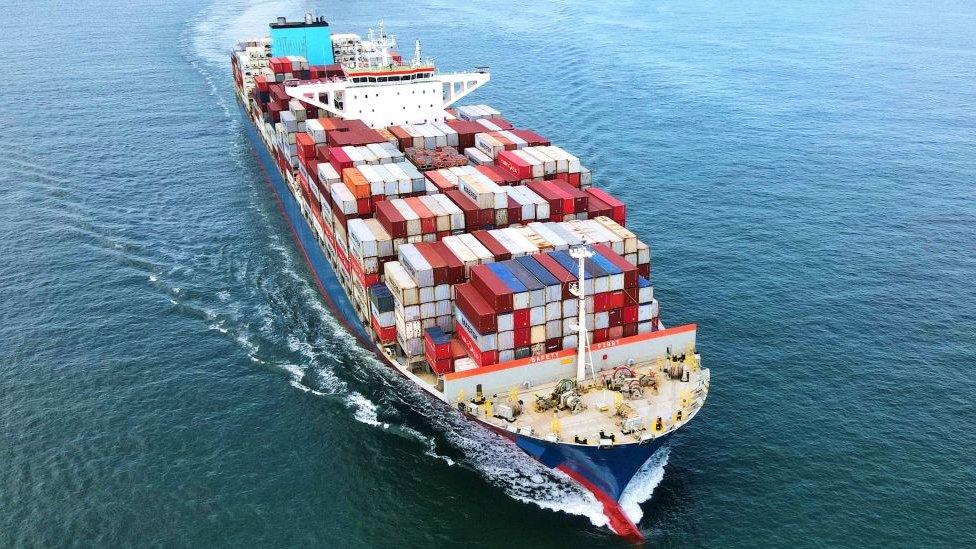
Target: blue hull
pixel 606 469
pixel 603 471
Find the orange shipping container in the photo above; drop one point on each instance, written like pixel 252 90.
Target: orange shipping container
pixel 355 182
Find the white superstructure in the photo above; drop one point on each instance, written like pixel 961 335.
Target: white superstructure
pixel 382 90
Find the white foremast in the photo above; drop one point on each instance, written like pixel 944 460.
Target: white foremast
pixel 580 254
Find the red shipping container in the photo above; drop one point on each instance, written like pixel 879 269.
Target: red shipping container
pixel 486 217
pixel 495 292
pixel 438 352
pixel 533 139
pixel 631 297
pixel 385 335
pixel 339 159
pixel 614 315
pixel 504 176
pixel 442 183
pixel 305 145
pixel 630 330
pixel 599 335
pixel 644 270
pixel 615 332
pixel 514 164
pixel 553 345
pixel 457 349
pixel 580 198
pixel 514 211
pixel 523 336
pixel 403 137
pixel 629 314
pixel 545 191
pixel 466 130
pixel 455 267
pixel 619 208
pixel 364 206
pixel 571 178
pixel 616 299
pixel 521 319
pixel 496 248
pixel 501 123
pixel 437 263
pixel 475 308
pixel 472 214
pixel 489 171
pixel 391 220
pixel 428 221
pixel 480 358
pixel 565 277
pixel 629 270
pixel 601 302
pixel 569 203
pixel 596 207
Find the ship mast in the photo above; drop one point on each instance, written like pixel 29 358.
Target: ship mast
pixel 581 253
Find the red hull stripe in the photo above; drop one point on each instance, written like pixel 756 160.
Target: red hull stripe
pixel 619 522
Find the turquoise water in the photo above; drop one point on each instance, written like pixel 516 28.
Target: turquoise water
pixel 805 174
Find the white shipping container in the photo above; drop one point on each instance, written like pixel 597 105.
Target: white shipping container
pixel 477 156
pixel 416 265
pixel 375 179
pixel 488 124
pixel 343 198
pixel 354 155
pixel 462 252
pixel 518 141
pixel 314 128
pixel 442 292
pixel 362 241
pixel 401 284
pixel 643 254
pixel 645 295
pixel 328 174
pixel 554 310
pixel 537 315
pixel 520 239
pixel 456 214
pixel 477 248
pixel 503 239
pixel 411 217
pixel 506 322
pixel 548 164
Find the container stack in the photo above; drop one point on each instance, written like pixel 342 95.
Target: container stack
pixel 458 261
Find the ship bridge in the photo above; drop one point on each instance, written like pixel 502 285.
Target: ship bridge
pixel 380 89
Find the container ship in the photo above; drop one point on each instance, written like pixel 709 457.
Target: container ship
pixel 473 256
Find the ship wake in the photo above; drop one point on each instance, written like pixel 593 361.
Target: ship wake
pixel 324 361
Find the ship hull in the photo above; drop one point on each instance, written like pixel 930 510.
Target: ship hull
pixel 604 472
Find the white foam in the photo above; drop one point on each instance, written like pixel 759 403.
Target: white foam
pixel 642 486
pixel 365 410
pixel 207 42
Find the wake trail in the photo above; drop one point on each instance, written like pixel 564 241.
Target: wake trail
pixel 207 42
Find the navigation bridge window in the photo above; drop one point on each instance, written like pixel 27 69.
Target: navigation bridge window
pixel 394 78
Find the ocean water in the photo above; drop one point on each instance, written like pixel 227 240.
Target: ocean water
pixel 805 174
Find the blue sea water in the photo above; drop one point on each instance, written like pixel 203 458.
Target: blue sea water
pixel 804 172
